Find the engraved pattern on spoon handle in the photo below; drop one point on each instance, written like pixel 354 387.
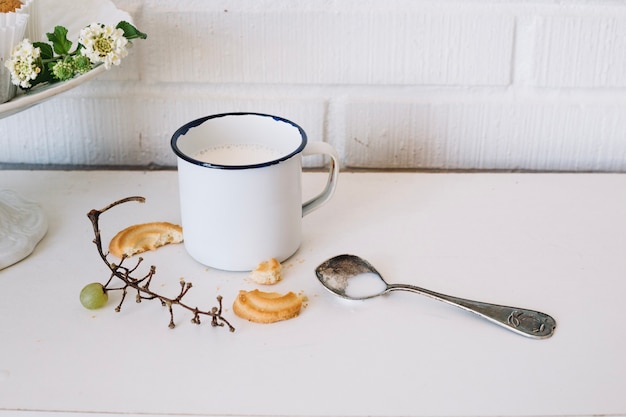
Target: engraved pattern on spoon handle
pixel 527 322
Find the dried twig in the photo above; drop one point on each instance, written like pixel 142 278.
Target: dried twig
pixel 142 285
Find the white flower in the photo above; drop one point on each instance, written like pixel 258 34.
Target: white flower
pixel 24 63
pixel 102 43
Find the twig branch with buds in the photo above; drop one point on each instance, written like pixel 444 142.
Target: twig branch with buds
pixel 142 285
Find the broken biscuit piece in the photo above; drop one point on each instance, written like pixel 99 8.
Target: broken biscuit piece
pixel 267 273
pixel 267 307
pixel 144 237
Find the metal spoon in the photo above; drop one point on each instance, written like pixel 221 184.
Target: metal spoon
pixel 336 272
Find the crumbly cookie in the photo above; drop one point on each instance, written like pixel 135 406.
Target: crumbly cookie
pixel 144 237
pixel 7 6
pixel 267 273
pixel 267 307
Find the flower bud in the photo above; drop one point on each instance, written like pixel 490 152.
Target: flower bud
pixel 82 64
pixel 63 70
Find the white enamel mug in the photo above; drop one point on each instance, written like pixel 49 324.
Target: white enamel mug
pixel 240 180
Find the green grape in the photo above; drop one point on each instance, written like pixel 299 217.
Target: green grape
pixel 93 296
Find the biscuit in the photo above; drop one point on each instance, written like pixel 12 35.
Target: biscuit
pixel 267 307
pixel 267 273
pixel 144 237
pixel 7 6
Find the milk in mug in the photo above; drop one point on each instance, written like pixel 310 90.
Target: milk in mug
pixel 237 154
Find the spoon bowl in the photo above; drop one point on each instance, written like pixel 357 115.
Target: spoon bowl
pixel 353 278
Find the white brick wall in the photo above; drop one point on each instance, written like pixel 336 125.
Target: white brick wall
pixel 505 84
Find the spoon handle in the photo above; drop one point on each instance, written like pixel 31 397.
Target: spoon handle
pixel 526 322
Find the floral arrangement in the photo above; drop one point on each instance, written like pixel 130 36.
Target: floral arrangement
pixel 40 62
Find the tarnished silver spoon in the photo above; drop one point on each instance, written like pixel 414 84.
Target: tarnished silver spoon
pixel 351 277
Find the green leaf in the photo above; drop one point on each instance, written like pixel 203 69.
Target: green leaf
pixel 59 40
pixel 46 50
pixel 45 76
pixel 130 32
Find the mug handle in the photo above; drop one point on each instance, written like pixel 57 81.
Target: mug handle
pixel 324 148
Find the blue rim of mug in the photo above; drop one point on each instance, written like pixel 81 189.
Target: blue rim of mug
pixel 195 123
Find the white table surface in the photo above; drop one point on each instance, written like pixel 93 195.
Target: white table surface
pixel 552 242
